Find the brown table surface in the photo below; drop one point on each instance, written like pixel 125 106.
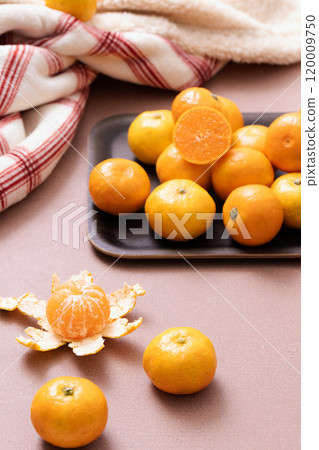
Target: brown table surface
pixel 249 309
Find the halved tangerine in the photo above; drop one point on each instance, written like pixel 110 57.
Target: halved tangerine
pixel 76 313
pixel 202 135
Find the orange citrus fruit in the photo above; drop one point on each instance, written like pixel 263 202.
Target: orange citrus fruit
pixel 150 133
pixel 231 112
pixel 192 97
pixel 288 190
pixel 283 142
pixel 252 136
pixel 199 96
pixel 171 165
pixel 75 313
pixel 202 135
pixel 81 9
pixel 69 412
pixel 253 215
pixel 180 210
pixel 240 166
pixel 180 360
pixel 119 186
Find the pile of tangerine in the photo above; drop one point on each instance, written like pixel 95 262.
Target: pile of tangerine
pixel 202 145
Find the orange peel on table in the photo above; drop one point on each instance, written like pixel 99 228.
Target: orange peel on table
pixel 120 302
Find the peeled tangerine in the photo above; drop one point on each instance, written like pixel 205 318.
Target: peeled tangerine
pixel 78 313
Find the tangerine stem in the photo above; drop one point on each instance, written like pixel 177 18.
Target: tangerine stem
pixel 234 213
pixel 298 182
pixel 67 390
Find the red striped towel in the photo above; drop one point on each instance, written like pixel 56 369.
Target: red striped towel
pixel 47 61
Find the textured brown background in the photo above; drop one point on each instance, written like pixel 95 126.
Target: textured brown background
pixel 253 402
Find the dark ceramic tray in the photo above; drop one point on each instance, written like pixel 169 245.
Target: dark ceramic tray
pixel 108 139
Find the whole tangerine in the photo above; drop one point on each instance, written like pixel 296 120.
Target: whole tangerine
pixel 180 210
pixel 192 97
pixel 232 112
pixel 171 165
pixel 253 215
pixel 181 360
pixel 252 136
pixel 81 9
pixel 288 190
pixel 240 166
pixel 69 412
pixel 150 133
pixel 119 186
pixel 283 142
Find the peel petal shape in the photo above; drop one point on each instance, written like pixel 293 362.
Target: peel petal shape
pixel 88 346
pixel 120 327
pixel 123 300
pixel 8 303
pixel 31 306
pixel 42 341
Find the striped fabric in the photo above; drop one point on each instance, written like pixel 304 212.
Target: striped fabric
pixel 47 61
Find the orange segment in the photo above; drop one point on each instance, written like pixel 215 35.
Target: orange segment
pixel 75 315
pixel 202 135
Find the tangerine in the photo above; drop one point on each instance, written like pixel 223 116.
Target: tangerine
pixel 180 210
pixel 181 360
pixel 192 97
pixel 283 142
pixel 252 136
pixel 171 165
pixel 240 166
pixel 69 412
pixel 81 9
pixel 288 190
pixel 231 112
pixel 76 313
pixel 253 215
pixel 119 185
pixel 150 133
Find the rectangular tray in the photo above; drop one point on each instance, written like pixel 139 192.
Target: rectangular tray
pixel 108 139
